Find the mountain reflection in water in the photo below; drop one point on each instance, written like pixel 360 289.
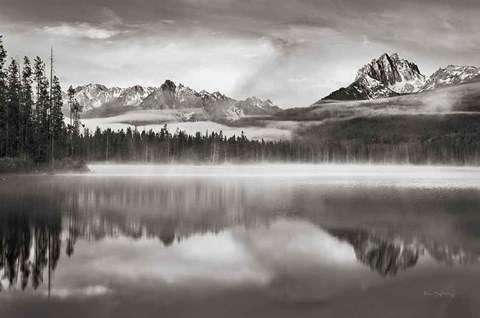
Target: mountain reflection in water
pixel 267 231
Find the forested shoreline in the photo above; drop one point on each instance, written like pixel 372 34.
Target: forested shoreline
pixel 387 140
pixel 35 136
pixel 32 129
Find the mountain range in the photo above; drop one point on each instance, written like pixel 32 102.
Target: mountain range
pixel 100 101
pixel 389 76
pixel 385 85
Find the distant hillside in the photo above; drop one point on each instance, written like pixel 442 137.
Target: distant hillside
pixel 396 139
pixel 460 98
pixel 398 127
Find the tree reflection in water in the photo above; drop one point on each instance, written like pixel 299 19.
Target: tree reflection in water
pixel 35 218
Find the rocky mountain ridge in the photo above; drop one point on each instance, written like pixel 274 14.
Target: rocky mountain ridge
pixel 100 101
pixel 399 75
pixel 389 76
pixel 452 75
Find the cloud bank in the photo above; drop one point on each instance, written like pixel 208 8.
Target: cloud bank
pixel 292 51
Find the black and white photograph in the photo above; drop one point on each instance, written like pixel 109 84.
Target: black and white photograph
pixel 239 158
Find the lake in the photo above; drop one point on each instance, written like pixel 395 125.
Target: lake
pixel 241 241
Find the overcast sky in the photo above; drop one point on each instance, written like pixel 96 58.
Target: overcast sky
pixel 292 51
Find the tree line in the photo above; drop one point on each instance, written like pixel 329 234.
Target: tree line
pixel 178 147
pixel 460 148
pixel 31 118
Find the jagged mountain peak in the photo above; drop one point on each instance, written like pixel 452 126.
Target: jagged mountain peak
pixel 390 75
pixel 133 96
pixel 385 76
pixel 452 75
pixel 399 75
pixel 135 88
pixel 168 85
pixel 266 105
pixel 253 99
pixel 91 87
pixel 91 96
pixel 215 95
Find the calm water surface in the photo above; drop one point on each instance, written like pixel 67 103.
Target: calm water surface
pixel 281 241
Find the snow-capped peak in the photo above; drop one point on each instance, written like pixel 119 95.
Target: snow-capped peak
pixel 91 96
pixel 134 95
pixel 452 75
pixel 399 75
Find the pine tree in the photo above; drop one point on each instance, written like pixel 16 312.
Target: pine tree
pixel 26 109
pixel 71 99
pixel 3 101
pixel 74 126
pixel 77 109
pixel 70 129
pixel 42 105
pixel 13 110
pixel 57 124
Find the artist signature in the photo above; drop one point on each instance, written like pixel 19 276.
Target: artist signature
pixel 439 294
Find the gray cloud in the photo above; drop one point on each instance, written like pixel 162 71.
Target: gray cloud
pixel 293 51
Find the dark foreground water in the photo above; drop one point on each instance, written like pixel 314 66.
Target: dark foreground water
pixel 241 242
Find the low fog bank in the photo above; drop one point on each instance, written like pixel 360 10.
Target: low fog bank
pixel 155 120
pixel 372 175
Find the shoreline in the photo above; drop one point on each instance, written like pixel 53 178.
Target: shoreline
pixel 19 166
